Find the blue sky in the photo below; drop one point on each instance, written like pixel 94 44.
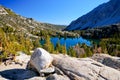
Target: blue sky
pixel 52 11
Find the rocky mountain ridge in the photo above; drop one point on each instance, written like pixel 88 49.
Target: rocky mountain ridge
pixel 105 14
pixel 23 24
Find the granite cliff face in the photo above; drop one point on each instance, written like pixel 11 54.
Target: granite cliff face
pixel 105 14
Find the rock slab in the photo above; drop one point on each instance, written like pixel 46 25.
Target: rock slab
pixel 107 60
pixel 84 68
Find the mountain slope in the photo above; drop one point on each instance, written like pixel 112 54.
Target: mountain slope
pixel 105 14
pixel 26 25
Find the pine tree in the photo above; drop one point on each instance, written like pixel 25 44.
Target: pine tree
pixel 36 43
pixel 58 47
pixel 28 46
pixel 103 46
pixel 88 52
pixel 71 52
pixel 48 45
pixel 63 49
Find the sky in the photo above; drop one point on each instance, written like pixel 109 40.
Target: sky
pixel 52 11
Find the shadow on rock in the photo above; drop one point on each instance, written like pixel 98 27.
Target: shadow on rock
pixel 18 74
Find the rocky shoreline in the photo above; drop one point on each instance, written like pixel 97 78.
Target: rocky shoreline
pixel 44 66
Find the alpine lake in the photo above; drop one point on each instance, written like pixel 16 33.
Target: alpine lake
pixel 69 42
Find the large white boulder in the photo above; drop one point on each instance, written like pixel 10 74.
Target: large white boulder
pixel 40 60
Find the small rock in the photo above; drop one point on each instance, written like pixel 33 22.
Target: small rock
pixel 57 77
pixel 51 69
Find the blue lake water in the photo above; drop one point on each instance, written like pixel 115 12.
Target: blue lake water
pixel 70 41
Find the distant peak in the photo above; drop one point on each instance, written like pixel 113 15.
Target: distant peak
pixel 105 14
